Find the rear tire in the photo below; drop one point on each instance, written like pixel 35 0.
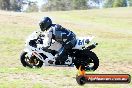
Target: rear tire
pixel 85 59
pixel 26 61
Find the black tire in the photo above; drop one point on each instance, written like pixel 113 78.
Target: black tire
pixel 94 59
pixel 25 63
pixel 87 58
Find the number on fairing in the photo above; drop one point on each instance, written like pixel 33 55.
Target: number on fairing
pixel 81 42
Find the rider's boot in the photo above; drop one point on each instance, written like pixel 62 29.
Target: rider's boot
pixel 60 60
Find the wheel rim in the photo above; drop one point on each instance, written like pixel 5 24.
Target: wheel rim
pixel 31 61
pixel 90 65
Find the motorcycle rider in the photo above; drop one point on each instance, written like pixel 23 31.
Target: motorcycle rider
pixel 60 34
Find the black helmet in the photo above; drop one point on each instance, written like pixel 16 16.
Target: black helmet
pixel 45 23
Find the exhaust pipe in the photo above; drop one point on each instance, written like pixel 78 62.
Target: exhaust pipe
pixel 92 46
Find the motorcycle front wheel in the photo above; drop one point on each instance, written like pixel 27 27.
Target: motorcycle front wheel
pixel 32 62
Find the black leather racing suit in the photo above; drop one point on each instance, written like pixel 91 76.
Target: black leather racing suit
pixel 64 36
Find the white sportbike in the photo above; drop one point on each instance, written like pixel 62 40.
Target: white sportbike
pixel 34 55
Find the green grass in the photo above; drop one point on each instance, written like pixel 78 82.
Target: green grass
pixel 113 31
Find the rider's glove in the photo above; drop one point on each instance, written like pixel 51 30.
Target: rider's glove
pixel 33 43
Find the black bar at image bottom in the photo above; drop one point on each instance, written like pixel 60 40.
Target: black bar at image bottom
pixel 103 78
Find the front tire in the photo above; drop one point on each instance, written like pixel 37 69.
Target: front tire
pixel 30 62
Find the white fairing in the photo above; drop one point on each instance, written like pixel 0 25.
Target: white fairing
pixel 81 42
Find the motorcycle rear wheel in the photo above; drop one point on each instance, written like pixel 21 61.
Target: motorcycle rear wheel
pixel 88 58
pixel 32 62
